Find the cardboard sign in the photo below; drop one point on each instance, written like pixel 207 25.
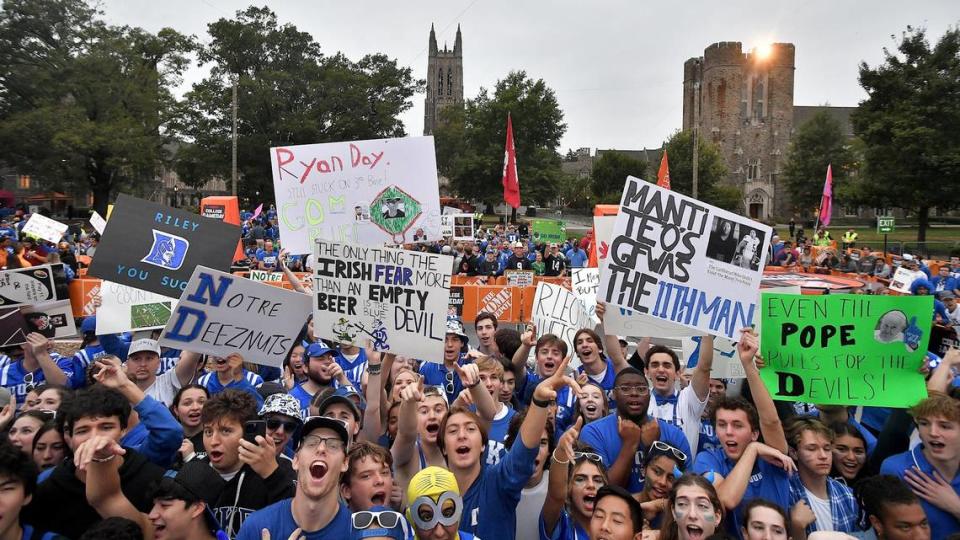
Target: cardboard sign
pixel 52 319
pixel 263 276
pixel 845 349
pixel 558 311
pixel 679 260
pixel 12 326
pixel 584 283
pixel 125 309
pixel 33 285
pixel 220 313
pixel 446 225
pixel 519 278
pixel 397 299
pixel 40 226
pixel 375 192
pixel 903 279
pixel 156 248
pixel 548 230
pixel 726 361
pixel 224 209
pixel 463 227
pixel 99 224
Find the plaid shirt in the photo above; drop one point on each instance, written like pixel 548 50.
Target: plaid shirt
pixel 843 506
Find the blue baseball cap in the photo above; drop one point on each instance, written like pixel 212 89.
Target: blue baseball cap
pixel 89 325
pixel 344 395
pixel 318 349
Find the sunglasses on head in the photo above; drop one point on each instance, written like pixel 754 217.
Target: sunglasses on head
pixel 664 448
pixel 580 456
pixel 386 519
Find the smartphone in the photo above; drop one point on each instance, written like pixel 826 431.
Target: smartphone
pixel 253 428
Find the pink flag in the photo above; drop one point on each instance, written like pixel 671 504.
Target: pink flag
pixel 256 212
pixel 826 201
pixel 511 182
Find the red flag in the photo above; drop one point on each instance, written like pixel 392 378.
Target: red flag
pixel 826 201
pixel 511 183
pixel 663 175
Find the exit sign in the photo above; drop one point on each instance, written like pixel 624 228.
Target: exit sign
pixel 885 225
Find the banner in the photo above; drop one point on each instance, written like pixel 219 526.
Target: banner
pixel 263 276
pixel 125 309
pixel 381 191
pixel 51 319
pixel 99 224
pixel 558 311
pixel 398 299
pixel 220 313
pixel 519 278
pixel 33 285
pixel 463 227
pixel 682 261
pixel 845 349
pixel 148 246
pixel 40 226
pixel 548 230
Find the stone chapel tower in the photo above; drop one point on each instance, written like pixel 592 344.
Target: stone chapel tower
pixel 444 80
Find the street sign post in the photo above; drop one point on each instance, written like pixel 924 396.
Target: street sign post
pixel 885 226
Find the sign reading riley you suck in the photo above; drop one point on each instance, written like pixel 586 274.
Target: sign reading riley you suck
pixel 397 300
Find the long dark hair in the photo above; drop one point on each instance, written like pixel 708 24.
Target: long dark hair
pixel 668 531
pixel 845 428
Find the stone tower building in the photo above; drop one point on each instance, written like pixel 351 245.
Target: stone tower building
pixel 444 80
pixel 743 102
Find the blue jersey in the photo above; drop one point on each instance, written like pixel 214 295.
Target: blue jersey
pixel 82 360
pixel 269 260
pixel 278 519
pixel 565 529
pixel 248 383
pixel 353 369
pixel 767 482
pixel 708 437
pixel 438 375
pixel 303 397
pixel 497 435
pixel 490 503
pixel 19 382
pixel 605 439
pixel 942 523
pixel 609 376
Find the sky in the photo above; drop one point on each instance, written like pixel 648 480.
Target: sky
pixel 616 66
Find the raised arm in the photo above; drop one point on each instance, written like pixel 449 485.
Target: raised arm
pixel 528 340
pixel 943 375
pixel 372 427
pixel 99 459
pixel 546 391
pixel 470 377
pixel 611 344
pixel 186 368
pixel 559 472
pixel 732 488
pixel 291 277
pixel 36 348
pixel 701 374
pixel 404 447
pixel 770 425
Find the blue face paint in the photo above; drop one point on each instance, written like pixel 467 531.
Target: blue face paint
pixel 709 476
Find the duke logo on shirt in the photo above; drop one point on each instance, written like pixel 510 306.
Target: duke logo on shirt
pixel 168 250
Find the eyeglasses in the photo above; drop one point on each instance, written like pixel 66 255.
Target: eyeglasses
pixel 288 425
pixel 640 389
pixel 449 385
pixel 580 456
pixel 661 446
pixel 313 442
pixel 386 519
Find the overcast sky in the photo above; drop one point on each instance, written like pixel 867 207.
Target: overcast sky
pixel 616 66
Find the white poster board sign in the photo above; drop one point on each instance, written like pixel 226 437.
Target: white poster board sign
pixel 463 228
pixel 263 275
pixel 584 283
pixel 125 309
pixel 40 226
pixel 726 361
pixel 219 314
pixel 446 225
pixel 99 224
pixel 558 311
pixel 397 299
pixel 375 192
pixel 903 279
pixel 684 261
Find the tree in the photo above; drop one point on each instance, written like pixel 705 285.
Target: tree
pixel 910 126
pixel 818 142
pixel 710 167
pixel 289 93
pixel 83 103
pixel 470 141
pixel 610 175
pixel 574 191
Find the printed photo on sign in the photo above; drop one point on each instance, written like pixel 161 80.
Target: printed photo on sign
pixel 126 309
pixel 735 243
pixel 50 319
pixel 463 227
pixel 33 285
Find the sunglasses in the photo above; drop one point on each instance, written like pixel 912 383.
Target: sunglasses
pixel 289 426
pixel 386 519
pixel 661 446
pixel 449 385
pixel 28 381
pixel 580 456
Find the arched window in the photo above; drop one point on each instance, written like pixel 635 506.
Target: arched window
pixel 440 82
pixel 449 82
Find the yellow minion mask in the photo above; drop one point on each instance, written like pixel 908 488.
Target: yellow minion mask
pixel 433 497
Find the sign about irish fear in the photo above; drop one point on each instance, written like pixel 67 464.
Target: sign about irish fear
pixel 395 300
pixel 681 260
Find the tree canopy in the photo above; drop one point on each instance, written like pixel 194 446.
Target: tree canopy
pixel 610 173
pixel 818 142
pixel 711 171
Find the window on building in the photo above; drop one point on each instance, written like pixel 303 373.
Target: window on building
pixel 882 211
pixel 24 181
pixel 440 82
pixel 753 170
pixel 759 97
pixel 745 100
pixel 851 211
pixel 449 82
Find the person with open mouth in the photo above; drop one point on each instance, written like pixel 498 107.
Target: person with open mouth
pixel 444 375
pixel 695 510
pixel 283 417
pixel 486 327
pixel 661 469
pixel 549 351
pixel 624 437
pixel 592 403
pixel 187 407
pixel 228 372
pixel 315 510
pixel 743 469
pixel 576 473
pixel 849 453
pixel 368 482
pixel 708 437
pixel 322 372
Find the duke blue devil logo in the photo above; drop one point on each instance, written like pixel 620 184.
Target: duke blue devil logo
pixel 168 250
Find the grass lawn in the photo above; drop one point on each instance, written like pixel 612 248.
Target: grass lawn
pixel 901 234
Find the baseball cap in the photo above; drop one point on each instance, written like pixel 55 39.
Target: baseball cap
pixel 318 349
pixel 517 245
pixel 456 327
pixel 342 395
pixel 89 325
pixel 946 295
pixel 141 345
pixel 317 422
pixel 202 481
pixel 281 404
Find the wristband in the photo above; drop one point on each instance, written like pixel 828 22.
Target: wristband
pixel 555 460
pixel 103 460
pixel 543 403
pixel 474 385
pixel 374 370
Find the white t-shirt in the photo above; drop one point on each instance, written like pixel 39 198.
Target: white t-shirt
pixel 529 507
pixel 821 509
pixel 165 387
pixel 685 414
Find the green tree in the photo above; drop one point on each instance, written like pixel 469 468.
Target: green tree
pixel 818 142
pixel 710 167
pixel 84 104
pixel 910 126
pixel 610 175
pixel 575 191
pixel 470 142
pixel 289 93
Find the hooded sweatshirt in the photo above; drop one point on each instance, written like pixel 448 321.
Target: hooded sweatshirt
pixel 246 493
pixel 60 504
pixel 938 307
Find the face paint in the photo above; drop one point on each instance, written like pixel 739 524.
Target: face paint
pixel 708 516
pixel 680 512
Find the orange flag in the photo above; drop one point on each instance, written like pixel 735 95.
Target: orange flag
pixel 663 175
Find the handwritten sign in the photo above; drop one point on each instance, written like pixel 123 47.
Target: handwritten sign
pixel 99 224
pixel 683 261
pixel 558 311
pixel 845 349
pixel 903 278
pixel 584 283
pixel 548 230
pixel 519 278
pixel 220 313
pixel 33 285
pixel 40 226
pixel 375 192
pixel 261 275
pixel 125 309
pixel 397 299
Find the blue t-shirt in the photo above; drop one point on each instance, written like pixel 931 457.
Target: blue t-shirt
pixel 942 523
pixel 81 361
pixel 708 436
pixel 496 436
pixel 269 260
pixel 490 504
pixel 565 529
pixel 303 397
pixel 767 482
pixel 605 439
pixel 353 368
pixel 278 519
pixel 436 375
pixel 15 379
pixel 248 383
pixel 609 376
pixel 577 258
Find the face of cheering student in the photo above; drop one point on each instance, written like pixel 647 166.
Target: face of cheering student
pixel 734 431
pixel 611 520
pixel 695 515
pixel 849 456
pixel 23 431
pixel 430 412
pixel 814 453
pixel 451 348
pixel 462 441
pixel 662 372
pixel 632 394
pixel 763 523
pixel 549 356
pixel 588 350
pixel 371 482
pixel 585 479
pixel 320 460
pixel 658 475
pixel 492 381
pixel 221 439
pixel 296 362
pixel 508 386
pixel 593 403
pixel 49 449
pixel 940 436
pixel 189 407
pixel 402 380
pixel 485 332
pixel 901 522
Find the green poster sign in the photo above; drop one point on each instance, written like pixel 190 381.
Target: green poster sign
pixel 885 225
pixel 549 230
pixel 845 349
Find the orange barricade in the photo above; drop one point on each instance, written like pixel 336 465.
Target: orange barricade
pixel 469 280
pixel 504 302
pixel 82 291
